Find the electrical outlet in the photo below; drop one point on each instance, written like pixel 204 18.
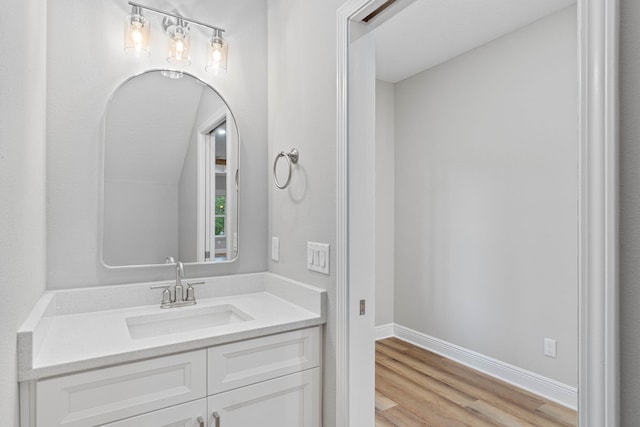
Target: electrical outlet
pixel 550 347
pixel 275 248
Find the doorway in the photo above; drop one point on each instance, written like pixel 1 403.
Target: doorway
pixel 596 225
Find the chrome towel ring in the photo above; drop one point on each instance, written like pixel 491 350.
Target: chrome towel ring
pixel 292 158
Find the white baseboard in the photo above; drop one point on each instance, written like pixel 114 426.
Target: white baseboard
pixel 530 381
pixel 384 331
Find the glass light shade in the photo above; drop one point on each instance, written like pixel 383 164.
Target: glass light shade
pixel 172 74
pixel 179 46
pixel 217 56
pixel 137 32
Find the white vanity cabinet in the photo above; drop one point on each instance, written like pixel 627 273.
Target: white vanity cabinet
pixel 267 381
pixel 272 381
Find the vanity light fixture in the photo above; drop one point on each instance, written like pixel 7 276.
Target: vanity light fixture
pixel 178 31
pixel 217 54
pixel 136 33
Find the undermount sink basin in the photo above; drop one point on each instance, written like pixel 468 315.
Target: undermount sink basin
pixel 184 320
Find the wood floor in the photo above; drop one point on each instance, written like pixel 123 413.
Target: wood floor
pixel 415 387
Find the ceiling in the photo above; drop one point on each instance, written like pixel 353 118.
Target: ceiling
pixel 428 32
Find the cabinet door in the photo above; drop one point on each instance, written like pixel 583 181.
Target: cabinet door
pixel 289 401
pixel 105 395
pixel 192 414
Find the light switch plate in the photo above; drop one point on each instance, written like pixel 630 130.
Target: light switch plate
pixel 550 347
pixel 318 257
pixel 275 248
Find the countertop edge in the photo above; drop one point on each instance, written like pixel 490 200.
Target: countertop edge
pixel 163 350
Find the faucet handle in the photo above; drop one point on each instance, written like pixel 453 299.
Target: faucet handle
pixel 190 293
pixel 166 294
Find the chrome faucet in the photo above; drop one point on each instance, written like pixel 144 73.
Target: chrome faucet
pixel 177 291
pixel 178 299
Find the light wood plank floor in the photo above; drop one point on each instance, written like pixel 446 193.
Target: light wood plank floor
pixel 415 387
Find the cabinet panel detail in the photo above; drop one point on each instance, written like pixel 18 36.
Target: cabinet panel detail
pixel 110 394
pixel 185 415
pixel 289 401
pixel 246 362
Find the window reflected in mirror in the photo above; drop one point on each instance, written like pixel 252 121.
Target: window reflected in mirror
pixel 216 232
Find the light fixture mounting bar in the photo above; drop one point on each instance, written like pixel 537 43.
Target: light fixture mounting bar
pixel 162 12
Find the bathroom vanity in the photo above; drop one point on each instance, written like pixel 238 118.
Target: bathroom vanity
pixel 248 353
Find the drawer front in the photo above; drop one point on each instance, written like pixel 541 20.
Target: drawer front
pixel 192 414
pixel 289 401
pixel 247 362
pixel 106 395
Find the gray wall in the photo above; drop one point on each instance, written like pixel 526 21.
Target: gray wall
pixel 79 84
pixel 130 235
pixel 187 207
pixel 385 201
pixel 22 169
pixel 486 198
pixel 302 114
pixel 630 212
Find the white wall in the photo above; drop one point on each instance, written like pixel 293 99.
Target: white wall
pixel 486 198
pixel 385 201
pixel 79 83
pixel 630 212
pixel 188 194
pixel 302 114
pixel 22 170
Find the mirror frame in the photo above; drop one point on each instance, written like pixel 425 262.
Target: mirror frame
pixel 597 287
pixel 101 170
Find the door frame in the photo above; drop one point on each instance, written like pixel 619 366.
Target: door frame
pixel 598 375
pixel 202 229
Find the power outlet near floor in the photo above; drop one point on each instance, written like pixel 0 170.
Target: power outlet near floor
pixel 550 347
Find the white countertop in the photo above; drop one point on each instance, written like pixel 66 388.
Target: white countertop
pixel 56 340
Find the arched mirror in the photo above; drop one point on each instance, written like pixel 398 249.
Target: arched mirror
pixel 171 149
